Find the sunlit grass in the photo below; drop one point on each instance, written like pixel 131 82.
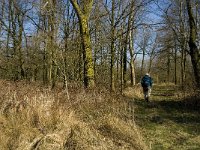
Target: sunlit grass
pixel 34 117
pixel 169 121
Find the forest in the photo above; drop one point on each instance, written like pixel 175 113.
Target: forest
pixel 71 70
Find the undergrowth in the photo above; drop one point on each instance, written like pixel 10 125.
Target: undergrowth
pixel 35 117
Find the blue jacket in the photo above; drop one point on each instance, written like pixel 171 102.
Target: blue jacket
pixel 146 81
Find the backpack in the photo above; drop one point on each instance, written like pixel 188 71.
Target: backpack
pixel 146 81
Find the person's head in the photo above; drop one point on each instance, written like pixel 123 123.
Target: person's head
pixel 147 74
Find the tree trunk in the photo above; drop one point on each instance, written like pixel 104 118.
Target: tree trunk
pixel 194 51
pixel 112 86
pixel 183 45
pixel 87 54
pixel 142 66
pixel 83 16
pixel 129 38
pixel 125 62
pixel 132 63
pixel 50 28
pixel 19 47
pixel 168 65
pixel 175 65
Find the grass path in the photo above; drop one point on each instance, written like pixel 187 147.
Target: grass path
pixel 166 122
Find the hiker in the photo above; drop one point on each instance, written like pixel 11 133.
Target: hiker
pixel 146 83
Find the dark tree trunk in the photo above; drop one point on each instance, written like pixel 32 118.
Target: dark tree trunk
pixel 194 51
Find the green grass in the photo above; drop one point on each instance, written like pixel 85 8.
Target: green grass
pixel 167 122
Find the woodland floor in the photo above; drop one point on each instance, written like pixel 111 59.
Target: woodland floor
pixel 168 123
pixel 32 117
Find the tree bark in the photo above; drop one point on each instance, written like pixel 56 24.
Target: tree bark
pixel 112 86
pixel 175 65
pixel 194 51
pixel 168 64
pixel 83 16
pixel 132 61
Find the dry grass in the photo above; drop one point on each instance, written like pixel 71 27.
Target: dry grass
pixel 34 117
pixel 135 92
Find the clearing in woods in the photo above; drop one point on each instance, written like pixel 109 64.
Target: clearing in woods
pixel 167 122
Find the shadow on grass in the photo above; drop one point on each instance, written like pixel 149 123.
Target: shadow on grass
pixel 183 113
pixel 186 105
pixel 162 94
pixel 169 118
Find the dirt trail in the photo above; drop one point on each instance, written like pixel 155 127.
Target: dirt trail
pixel 167 122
